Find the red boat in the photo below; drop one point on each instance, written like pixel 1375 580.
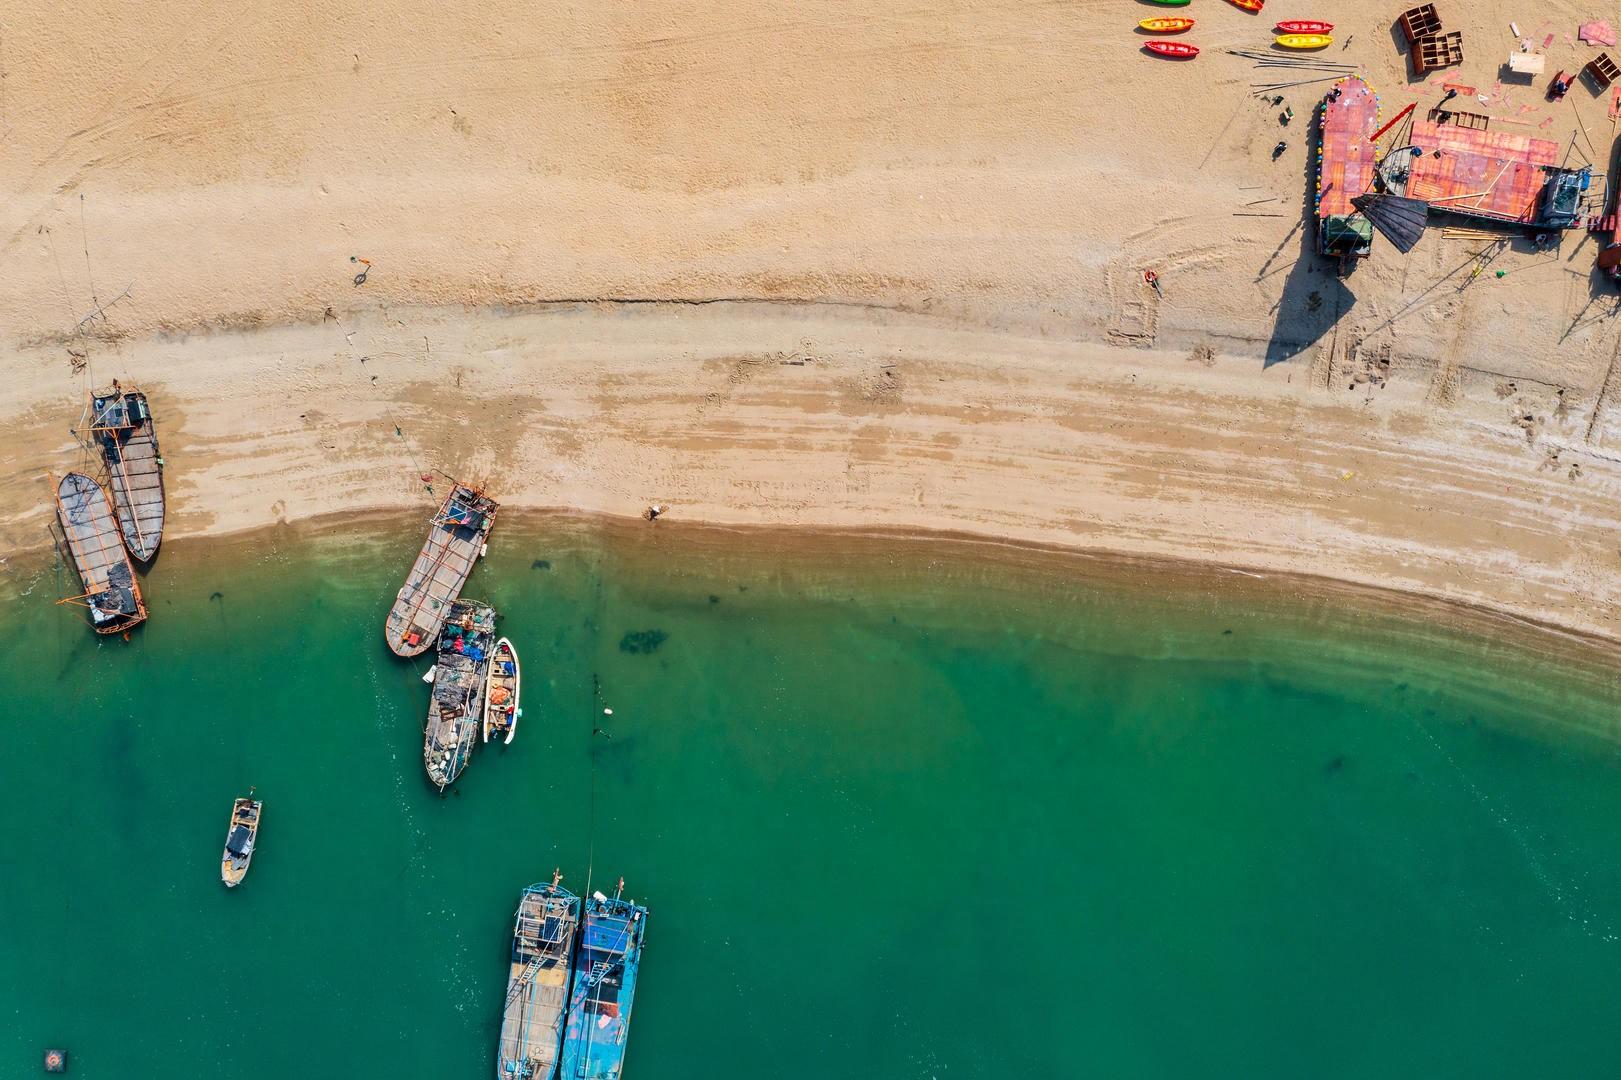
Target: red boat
pixel 1249 5
pixel 1177 50
pixel 1305 26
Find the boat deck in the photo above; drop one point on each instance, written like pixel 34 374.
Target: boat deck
pixel 1345 154
pixel 604 988
pixel 537 986
pixel 455 537
pixel 456 710
pixel 1500 172
pixel 97 548
pixel 123 427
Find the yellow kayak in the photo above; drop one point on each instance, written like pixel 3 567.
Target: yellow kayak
pixel 1166 25
pixel 1304 41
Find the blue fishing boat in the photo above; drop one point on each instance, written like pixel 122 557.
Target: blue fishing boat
pixel 537 984
pixel 604 984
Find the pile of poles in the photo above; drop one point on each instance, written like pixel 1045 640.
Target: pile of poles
pixel 1321 71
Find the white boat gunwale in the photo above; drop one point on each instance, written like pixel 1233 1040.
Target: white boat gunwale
pixel 493 679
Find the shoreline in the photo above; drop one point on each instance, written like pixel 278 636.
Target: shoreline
pixel 1471 616
pixel 805 548
pixel 815 418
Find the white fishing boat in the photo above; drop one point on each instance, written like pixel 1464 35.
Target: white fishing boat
pixel 240 836
pixel 501 686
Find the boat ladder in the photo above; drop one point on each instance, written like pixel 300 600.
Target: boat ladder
pixel 530 970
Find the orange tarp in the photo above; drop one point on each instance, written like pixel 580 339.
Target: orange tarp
pixel 1506 165
pixel 1345 156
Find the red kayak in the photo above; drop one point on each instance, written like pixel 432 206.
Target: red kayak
pixel 1249 5
pixel 1177 50
pixel 1305 26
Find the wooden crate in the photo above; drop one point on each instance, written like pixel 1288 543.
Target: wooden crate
pixel 1437 51
pixel 1602 70
pixel 1420 22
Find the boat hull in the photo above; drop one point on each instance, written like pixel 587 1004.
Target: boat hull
pixel 456 538
pixel 241 837
pixel 456 704
pixel 1173 50
pixel 1305 26
pixel 543 937
pixel 503 682
pixel 1166 26
pixel 90 529
pixel 1304 41
pixel 603 988
pixel 126 436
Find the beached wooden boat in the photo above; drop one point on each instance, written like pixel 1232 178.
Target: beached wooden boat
pixel 122 427
pixel 94 543
pixel 1305 26
pixel 456 538
pixel 537 982
pixel 501 687
pixel 466 643
pixel 1176 50
pixel 1166 25
pixel 240 836
pixel 1304 41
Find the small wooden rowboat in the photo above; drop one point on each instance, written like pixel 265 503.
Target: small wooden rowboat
pixel 240 836
pixel 1166 26
pixel 1249 5
pixel 1305 26
pixel 1304 41
pixel 501 687
pixel 1176 50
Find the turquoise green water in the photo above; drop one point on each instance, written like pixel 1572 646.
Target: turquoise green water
pixel 898 812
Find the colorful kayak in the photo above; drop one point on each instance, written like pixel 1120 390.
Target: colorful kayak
pixel 1304 41
pixel 1249 5
pixel 1176 50
pixel 1166 26
pixel 1173 3
pixel 1305 26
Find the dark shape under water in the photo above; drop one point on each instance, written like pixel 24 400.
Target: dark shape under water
pixel 1335 764
pixel 642 641
pixel 216 596
pixel 713 599
pixel 541 564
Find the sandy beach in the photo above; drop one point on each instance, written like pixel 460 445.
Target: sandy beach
pixel 812 268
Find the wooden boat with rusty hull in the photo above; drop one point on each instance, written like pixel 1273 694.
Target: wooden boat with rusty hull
pixel 95 545
pixel 125 436
pixel 456 538
pixel 456 710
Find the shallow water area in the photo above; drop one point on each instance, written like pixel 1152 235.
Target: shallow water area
pixel 900 808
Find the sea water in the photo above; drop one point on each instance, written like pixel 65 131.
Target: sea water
pixel 899 809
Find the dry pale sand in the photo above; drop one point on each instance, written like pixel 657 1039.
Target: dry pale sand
pixel 812 265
